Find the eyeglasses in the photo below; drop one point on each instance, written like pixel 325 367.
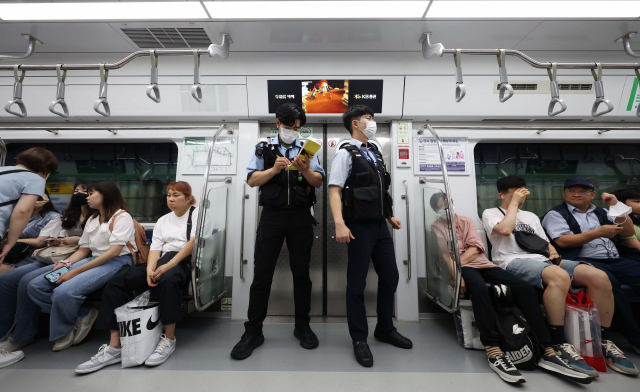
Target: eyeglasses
pixel 581 193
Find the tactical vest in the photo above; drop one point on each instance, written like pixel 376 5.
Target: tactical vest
pixel 287 189
pixel 365 194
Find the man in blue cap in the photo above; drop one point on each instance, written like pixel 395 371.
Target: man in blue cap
pixel 583 232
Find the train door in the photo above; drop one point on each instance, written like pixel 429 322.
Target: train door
pixel 328 269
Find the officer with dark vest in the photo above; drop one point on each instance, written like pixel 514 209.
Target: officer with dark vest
pixel 361 206
pixel 286 197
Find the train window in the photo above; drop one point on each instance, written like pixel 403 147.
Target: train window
pixel 545 167
pixel 142 171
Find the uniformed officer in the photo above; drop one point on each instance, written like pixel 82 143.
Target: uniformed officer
pixel 359 175
pixel 286 197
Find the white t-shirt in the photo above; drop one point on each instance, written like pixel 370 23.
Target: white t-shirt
pixel 504 249
pixel 98 238
pixel 170 232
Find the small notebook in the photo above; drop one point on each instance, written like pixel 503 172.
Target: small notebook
pixel 309 149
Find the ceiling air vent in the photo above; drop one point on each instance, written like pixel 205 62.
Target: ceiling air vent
pixel 552 120
pixel 522 86
pixel 506 119
pixel 576 87
pixel 169 38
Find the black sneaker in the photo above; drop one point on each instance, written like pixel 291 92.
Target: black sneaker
pixel 246 345
pixel 307 338
pixel 557 365
pixel 393 338
pixel 502 365
pixel 363 354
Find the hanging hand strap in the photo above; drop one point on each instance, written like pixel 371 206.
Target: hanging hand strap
pixel 461 90
pixel 62 76
pixel 599 86
pixel 196 90
pixel 17 94
pixel 153 91
pixel 506 91
pixel 555 92
pixel 102 95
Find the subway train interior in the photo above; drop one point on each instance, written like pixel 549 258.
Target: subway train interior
pixel 463 93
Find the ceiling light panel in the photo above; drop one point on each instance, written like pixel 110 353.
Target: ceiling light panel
pixel 316 9
pixel 172 10
pixel 534 10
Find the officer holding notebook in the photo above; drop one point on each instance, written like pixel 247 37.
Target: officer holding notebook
pixel 287 184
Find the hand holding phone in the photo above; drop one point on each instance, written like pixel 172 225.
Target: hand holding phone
pixel 53 276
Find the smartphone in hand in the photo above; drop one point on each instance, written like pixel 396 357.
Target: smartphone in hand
pixel 53 276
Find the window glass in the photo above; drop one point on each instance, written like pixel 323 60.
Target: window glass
pixel 142 171
pixel 545 167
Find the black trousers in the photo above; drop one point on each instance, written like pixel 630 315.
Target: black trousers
pixel 277 225
pixel 524 296
pixel 372 242
pixel 131 280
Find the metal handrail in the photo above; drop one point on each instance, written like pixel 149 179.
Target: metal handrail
pixel 408 261
pixel 452 223
pixel 3 152
pixel 201 212
pixel 31 46
pixel 245 196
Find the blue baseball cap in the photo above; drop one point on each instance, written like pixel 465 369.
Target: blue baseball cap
pixel 579 181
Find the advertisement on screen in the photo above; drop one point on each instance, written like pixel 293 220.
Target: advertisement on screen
pixel 325 95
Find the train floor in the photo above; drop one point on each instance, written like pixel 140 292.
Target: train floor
pixel 201 362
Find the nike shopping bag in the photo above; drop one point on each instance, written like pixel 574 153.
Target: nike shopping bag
pixel 582 328
pixel 140 331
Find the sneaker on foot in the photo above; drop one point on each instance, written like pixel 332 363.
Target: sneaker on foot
pixel 502 365
pixel 64 342
pixel 614 357
pixel 106 356
pixel 308 339
pixel 570 355
pixel 83 326
pixel 10 357
pixel 165 348
pixel 557 365
pixel 7 343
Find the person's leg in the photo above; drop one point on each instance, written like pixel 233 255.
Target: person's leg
pixel 598 289
pixel 299 239
pixel 483 312
pixel 171 287
pixel 384 262
pixel 9 294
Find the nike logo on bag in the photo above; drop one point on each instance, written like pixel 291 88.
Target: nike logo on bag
pixel 151 325
pixel 588 341
pixel 517 329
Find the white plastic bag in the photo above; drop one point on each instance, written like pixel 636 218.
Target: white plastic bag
pixel 582 329
pixel 468 333
pixel 140 330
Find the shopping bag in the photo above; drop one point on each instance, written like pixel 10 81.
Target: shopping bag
pixel 140 330
pixel 582 329
pixel 466 329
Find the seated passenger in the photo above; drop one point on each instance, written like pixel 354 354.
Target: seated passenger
pixel 476 270
pixel 584 232
pixel 22 186
pixel 168 267
pixel 19 327
pixel 43 213
pixel 102 253
pixel 509 230
pixel 631 197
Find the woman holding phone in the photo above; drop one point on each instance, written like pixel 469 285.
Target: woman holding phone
pixel 167 269
pixel 18 328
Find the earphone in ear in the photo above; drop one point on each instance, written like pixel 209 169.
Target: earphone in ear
pixel 502 197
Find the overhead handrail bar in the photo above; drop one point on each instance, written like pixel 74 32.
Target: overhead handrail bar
pixel 31 46
pixel 196 90
pixel 407 262
pixel 102 97
pixel 17 94
pixel 555 92
pixel 153 91
pixel 62 76
pixel 626 44
pixel 599 86
pixel 505 87
pixel 3 152
pixel 461 90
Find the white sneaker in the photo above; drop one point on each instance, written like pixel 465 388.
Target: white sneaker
pixel 83 326
pixel 9 358
pixel 8 345
pixel 165 348
pixel 64 342
pixel 106 356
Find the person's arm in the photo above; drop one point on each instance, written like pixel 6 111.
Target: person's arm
pixel 78 255
pixel 260 178
pixel 304 167
pixel 71 240
pixel 184 253
pixel 632 242
pixel 343 234
pixel 19 220
pixel 469 255
pixel 624 222
pixel 508 223
pixel 114 250
pixel 35 242
pixel 152 262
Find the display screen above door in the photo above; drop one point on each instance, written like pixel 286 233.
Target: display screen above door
pixel 325 95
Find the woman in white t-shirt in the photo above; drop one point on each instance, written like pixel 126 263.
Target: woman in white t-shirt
pixel 168 268
pixel 102 253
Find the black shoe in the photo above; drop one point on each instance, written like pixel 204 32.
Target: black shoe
pixel 246 345
pixel 502 365
pixel 363 354
pixel 307 338
pixel 393 338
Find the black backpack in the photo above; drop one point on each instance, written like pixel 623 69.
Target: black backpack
pixel 517 340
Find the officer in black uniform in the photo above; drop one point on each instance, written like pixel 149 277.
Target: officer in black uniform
pixel 286 197
pixel 361 206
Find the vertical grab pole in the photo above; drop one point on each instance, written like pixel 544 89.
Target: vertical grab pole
pixel 3 152
pixel 245 196
pixel 408 261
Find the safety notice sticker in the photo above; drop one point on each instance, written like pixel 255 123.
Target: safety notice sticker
pixel 427 156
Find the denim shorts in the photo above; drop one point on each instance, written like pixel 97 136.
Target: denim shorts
pixel 530 270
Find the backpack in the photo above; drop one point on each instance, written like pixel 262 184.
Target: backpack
pixel 140 236
pixel 517 340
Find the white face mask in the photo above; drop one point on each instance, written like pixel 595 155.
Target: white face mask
pixel 288 136
pixel 442 214
pixel 370 130
pixel 619 210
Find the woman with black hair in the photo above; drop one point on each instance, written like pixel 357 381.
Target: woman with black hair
pixel 631 197
pixel 18 329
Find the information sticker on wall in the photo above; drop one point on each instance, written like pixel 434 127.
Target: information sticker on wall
pixel 426 156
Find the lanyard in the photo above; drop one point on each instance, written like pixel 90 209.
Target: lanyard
pixel 371 157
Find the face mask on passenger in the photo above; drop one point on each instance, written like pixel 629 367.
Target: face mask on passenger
pixel 288 136
pixel 619 210
pixel 370 130
pixel 442 214
pixel 79 199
